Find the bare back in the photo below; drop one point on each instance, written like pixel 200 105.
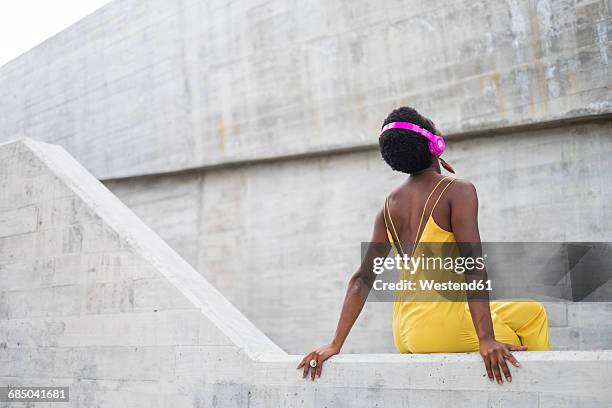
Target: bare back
pixel 407 205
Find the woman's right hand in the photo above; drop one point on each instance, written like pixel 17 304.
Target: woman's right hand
pixel 495 354
pixel 319 355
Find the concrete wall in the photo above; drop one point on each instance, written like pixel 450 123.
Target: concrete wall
pixel 92 299
pixel 299 223
pixel 240 91
pixel 150 86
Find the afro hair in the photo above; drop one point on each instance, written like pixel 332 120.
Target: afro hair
pixel 400 149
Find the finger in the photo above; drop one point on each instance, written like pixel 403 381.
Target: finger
pixel 498 376
pixel 505 369
pixel 301 364
pixel 512 360
pixel 514 347
pixel 314 371
pixel 489 370
pixel 307 365
pixel 319 369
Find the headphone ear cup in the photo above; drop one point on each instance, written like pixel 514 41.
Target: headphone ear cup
pixel 432 149
pixel 437 145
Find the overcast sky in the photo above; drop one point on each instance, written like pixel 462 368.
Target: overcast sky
pixel 26 23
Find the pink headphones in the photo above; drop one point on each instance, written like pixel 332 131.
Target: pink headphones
pixel 436 143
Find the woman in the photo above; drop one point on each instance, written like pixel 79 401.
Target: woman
pixel 431 208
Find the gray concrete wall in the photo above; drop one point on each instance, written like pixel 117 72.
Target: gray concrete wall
pixel 143 87
pixel 151 87
pixel 92 299
pixel 261 233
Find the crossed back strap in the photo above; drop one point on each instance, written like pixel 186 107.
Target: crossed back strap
pixel 392 232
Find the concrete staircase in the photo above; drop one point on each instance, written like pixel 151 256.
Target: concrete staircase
pixel 92 299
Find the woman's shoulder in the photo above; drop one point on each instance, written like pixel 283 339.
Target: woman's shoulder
pixel 462 183
pixel 462 188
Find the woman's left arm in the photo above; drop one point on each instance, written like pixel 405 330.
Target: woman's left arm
pixel 464 221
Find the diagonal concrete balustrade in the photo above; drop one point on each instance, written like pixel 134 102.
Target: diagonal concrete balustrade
pixel 92 299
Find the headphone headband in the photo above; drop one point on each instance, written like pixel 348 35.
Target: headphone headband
pixel 408 126
pixel 436 142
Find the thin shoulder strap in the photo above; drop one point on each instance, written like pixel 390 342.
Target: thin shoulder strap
pixel 440 196
pixel 394 238
pixel 416 237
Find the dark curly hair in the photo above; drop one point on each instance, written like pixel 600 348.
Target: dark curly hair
pixel 400 148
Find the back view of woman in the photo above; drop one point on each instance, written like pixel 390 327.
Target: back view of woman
pixel 432 213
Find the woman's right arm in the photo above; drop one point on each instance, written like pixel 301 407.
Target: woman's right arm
pixel 356 294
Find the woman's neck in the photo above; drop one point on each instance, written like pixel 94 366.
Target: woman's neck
pixel 434 167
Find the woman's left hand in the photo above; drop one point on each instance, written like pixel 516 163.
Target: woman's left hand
pixel 495 354
pixel 319 356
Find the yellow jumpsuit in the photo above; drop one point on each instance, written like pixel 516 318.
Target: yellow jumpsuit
pixel 446 326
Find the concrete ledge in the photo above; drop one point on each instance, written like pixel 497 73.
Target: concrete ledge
pixel 564 372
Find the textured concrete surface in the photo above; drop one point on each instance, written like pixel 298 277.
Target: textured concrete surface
pixel 146 87
pixel 149 86
pixel 94 300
